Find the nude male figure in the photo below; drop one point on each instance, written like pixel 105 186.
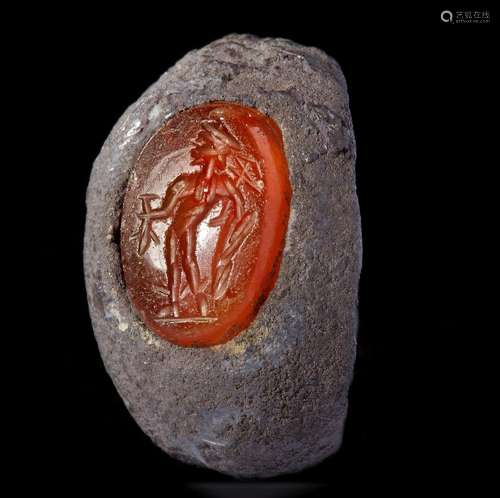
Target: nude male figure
pixel 188 201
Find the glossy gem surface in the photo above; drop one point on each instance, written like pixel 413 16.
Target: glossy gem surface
pixel 204 222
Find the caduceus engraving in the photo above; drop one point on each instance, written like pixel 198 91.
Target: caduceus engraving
pixel 226 168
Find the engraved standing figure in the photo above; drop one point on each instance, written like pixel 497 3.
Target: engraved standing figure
pixel 224 167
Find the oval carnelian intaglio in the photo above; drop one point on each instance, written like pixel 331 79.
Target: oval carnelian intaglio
pixel 204 223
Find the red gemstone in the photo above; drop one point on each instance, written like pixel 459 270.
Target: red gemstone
pixel 204 223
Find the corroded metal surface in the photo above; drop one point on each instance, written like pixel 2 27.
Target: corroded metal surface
pixel 272 400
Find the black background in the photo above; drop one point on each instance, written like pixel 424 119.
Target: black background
pixel 421 102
